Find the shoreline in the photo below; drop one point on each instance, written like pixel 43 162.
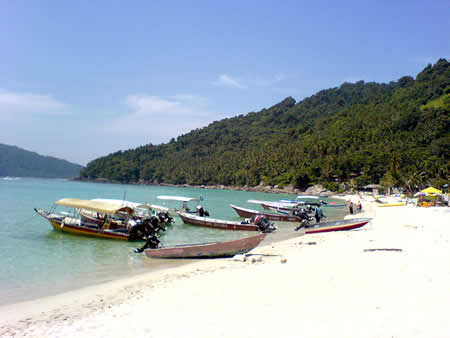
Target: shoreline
pixel 312 285
pixel 31 291
pixel 313 190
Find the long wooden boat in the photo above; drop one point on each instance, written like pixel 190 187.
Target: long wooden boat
pixel 208 250
pixel 248 213
pixel 275 205
pixel 141 211
pixel 216 223
pixel 75 226
pixel 73 223
pixel 285 205
pixel 345 224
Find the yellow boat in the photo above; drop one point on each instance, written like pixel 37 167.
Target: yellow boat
pixel 74 224
pixel 396 204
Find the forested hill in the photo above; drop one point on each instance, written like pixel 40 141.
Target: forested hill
pixel 396 134
pixel 18 162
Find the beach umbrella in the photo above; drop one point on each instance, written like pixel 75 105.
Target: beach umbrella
pixel 431 190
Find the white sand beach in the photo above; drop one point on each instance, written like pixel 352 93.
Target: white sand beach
pixel 390 278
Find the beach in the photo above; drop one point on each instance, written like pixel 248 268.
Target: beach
pixel 389 278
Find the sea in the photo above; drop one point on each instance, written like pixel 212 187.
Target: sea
pixel 38 261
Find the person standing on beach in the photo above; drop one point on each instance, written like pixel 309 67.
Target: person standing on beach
pixel 359 207
pixel 350 208
pixel 318 214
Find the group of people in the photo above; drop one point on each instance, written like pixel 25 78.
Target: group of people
pixel 358 207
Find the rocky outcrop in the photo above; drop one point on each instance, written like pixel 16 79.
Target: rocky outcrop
pixel 317 189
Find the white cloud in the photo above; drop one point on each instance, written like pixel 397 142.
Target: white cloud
pixel 180 104
pixel 228 81
pixel 154 119
pixel 15 104
pixel 268 81
pixel 143 104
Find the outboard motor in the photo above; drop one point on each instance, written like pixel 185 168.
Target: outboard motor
pixel 164 217
pixel 156 224
pixel 264 225
pixel 304 219
pixel 138 229
pixel 151 243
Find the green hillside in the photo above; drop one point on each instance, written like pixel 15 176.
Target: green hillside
pixel 396 133
pixel 22 163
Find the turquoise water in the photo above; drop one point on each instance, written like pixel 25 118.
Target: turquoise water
pixel 39 261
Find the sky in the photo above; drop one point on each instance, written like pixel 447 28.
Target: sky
pixel 83 79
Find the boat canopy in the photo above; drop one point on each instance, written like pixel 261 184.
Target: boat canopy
pixel 123 203
pixel 178 198
pixel 302 199
pixel 99 206
pixel 275 204
pixel 261 202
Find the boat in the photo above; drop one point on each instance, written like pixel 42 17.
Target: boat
pixel 335 205
pixel 345 224
pixel 393 204
pixel 248 213
pixel 254 224
pixel 303 198
pixel 141 211
pixel 288 206
pixel 275 205
pixel 118 219
pixel 208 250
pixel 185 207
pixel 72 222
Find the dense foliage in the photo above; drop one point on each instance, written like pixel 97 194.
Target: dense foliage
pixel 361 133
pixel 22 163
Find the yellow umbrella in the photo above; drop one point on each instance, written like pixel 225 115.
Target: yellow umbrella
pixel 431 190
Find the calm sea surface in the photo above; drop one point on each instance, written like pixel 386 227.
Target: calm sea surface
pixel 39 261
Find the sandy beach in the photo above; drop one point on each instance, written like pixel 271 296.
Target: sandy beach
pixel 388 279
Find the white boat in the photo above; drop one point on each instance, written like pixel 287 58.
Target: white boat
pixel 284 206
pixel 275 204
pixel 188 205
pixel 303 199
pixel 10 178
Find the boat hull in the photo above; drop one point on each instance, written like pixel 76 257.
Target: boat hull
pixel 59 223
pixel 243 212
pixel 346 224
pixel 208 250
pixel 85 231
pixel 216 223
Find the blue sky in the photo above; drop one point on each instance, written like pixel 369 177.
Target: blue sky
pixel 82 79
